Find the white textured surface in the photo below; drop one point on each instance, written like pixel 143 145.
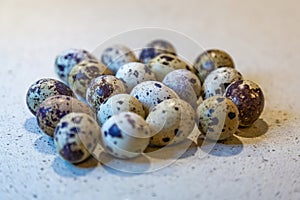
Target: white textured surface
pixel 263 38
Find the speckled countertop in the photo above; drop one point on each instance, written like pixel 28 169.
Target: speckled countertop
pixel 262 162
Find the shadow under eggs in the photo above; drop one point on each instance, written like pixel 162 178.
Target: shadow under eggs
pixel 230 147
pixel 184 149
pixel 66 169
pixel 124 167
pixel 45 145
pixel 88 163
pixel 257 129
pixel 31 126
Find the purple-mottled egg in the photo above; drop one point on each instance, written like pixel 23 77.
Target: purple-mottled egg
pixel 56 107
pixel 76 136
pixel 249 99
pixel 101 88
pixel 43 89
pixel 83 73
pixel 67 59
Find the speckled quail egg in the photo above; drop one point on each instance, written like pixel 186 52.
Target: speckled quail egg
pixel 155 48
pixel 125 135
pixel 211 60
pixel 163 64
pixel 56 107
pixel 117 104
pixel 101 88
pixel 42 89
pixel 67 59
pixel 218 118
pixel 218 80
pixel 76 136
pixel 151 93
pixel 186 84
pixel 170 122
pixel 249 98
pixel 116 56
pixel 134 73
pixel 83 73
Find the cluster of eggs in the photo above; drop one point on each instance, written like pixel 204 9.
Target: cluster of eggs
pixel 125 103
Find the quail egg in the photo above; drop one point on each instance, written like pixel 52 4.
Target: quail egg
pixel 211 60
pixel 218 80
pixel 155 48
pixel 82 74
pixel 76 136
pixel 125 135
pixel 134 73
pixel 218 118
pixel 42 89
pixel 66 60
pixel 170 122
pixel 151 93
pixel 162 64
pixel 249 98
pixel 101 88
pixel 56 107
pixel 116 56
pixel 117 104
pixel 186 84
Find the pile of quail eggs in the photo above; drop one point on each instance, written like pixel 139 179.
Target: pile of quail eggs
pixel 126 104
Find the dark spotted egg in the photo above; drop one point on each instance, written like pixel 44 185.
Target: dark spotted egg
pixel 67 59
pixel 154 48
pixel 151 93
pixel 42 89
pixel 249 98
pixel 76 136
pixel 82 74
pixel 163 64
pixel 116 56
pixel 56 107
pixel 171 122
pixel 134 73
pixel 211 60
pixel 218 118
pixel 117 104
pixel 125 135
pixel 218 80
pixel 186 84
pixel 101 88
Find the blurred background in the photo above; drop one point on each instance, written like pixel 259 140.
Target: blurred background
pixel 32 28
